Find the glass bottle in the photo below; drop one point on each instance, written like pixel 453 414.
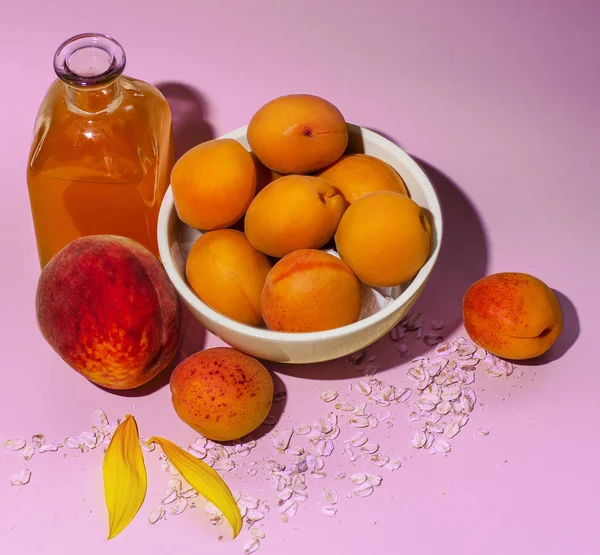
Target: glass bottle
pixel 102 150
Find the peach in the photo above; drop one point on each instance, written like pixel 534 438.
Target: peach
pixel 356 175
pixel 512 315
pixel 310 290
pixel 298 133
pixel 221 393
pixel 105 304
pixel 293 212
pixel 213 184
pixel 385 238
pixel 228 273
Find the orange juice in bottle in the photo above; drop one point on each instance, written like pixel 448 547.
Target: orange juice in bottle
pixel 102 150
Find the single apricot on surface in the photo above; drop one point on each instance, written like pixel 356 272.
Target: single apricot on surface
pixel 228 273
pixel 298 133
pixel 356 175
pixel 293 212
pixel 105 304
pixel 310 290
pixel 221 393
pixel 213 183
pixel 512 315
pixel 385 238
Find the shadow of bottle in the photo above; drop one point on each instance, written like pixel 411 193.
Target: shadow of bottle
pixel 189 112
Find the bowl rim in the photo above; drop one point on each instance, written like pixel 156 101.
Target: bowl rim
pixel 167 209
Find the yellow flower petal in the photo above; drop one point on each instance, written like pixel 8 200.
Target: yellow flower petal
pixel 125 479
pixel 205 480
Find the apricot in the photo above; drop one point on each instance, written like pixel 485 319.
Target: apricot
pixel 228 273
pixel 221 393
pixel 512 315
pixel 213 184
pixel 385 238
pixel 298 133
pixel 310 290
pixel 105 304
pixel 356 175
pixel 293 212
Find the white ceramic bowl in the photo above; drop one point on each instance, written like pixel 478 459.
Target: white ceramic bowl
pixel 175 239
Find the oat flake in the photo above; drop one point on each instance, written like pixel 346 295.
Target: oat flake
pixel 442 446
pixel 329 511
pixel 370 448
pixel 156 515
pixel 27 452
pixel 419 439
pixel 251 546
pixel 14 444
pixel 331 496
pixel 38 440
pixel 414 416
pixel 21 478
pixel 452 428
pixel 329 396
pixel 393 464
pixel 359 421
pixel 282 440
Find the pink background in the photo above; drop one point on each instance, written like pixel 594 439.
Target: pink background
pixel 499 102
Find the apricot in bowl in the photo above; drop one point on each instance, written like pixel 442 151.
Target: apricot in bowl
pixel 175 239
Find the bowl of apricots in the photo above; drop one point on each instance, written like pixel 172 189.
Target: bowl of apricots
pixel 300 237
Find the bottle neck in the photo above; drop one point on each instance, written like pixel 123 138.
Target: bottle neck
pixel 90 67
pixel 93 99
